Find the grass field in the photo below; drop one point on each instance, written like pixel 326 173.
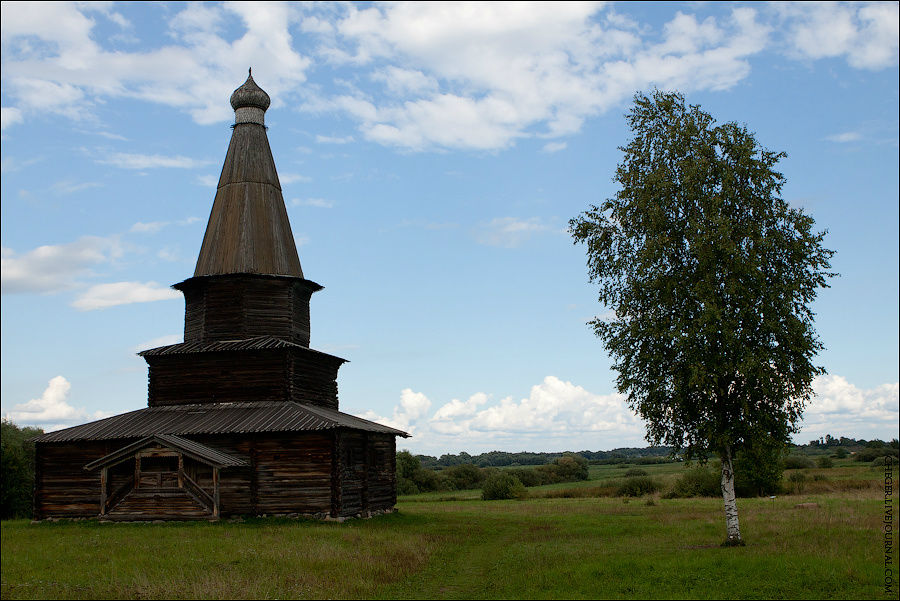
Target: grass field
pixel 589 547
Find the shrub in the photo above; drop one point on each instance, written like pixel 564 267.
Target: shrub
pixel 797 462
pixel 882 461
pixel 825 462
pixel 17 479
pixel 758 469
pixel 634 472
pixel 840 453
pixel 464 476
pixel 797 479
pixel 503 486
pixel 699 481
pixel 527 476
pixel 872 454
pixel 637 486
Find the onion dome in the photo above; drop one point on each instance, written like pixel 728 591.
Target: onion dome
pixel 250 95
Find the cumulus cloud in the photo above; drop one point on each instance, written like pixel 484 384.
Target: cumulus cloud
pixel 560 415
pixel 53 268
pixel 437 75
pixel 864 34
pixel 484 75
pixel 557 415
pixel 70 71
pixel 509 232
pixel 103 296
pixel 841 408
pixel 51 411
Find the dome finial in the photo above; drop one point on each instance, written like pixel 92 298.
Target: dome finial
pixel 250 94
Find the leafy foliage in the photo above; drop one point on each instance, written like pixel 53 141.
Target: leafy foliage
pixel 710 275
pixel 503 485
pixel 758 468
pixel 637 487
pixel 17 482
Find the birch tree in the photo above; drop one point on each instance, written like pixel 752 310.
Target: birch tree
pixel 710 275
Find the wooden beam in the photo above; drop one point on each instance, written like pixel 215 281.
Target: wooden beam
pixel 103 490
pixel 215 492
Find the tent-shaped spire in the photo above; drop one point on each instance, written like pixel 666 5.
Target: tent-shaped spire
pixel 248 229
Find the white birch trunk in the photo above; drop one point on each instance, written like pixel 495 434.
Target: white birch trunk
pixel 731 513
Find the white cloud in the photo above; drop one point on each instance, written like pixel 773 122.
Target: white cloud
pixel 509 232
pixel 333 139
pixel 150 227
pixel 159 341
pixel 69 71
pixel 850 136
pixel 53 268
pixel 312 202
pixel 865 34
pixel 847 409
pixel 483 75
pixel 412 407
pixel 103 296
pixel 9 116
pixel 448 75
pixel 51 411
pixel 554 146
pixel 293 178
pixel 151 161
pixel 557 415
pixel 209 181
pixel 70 187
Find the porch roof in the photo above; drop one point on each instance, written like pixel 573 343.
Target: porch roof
pixel 191 448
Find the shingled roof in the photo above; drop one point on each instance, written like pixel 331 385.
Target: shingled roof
pixel 248 229
pixel 217 418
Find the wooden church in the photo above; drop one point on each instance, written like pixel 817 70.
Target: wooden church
pixel 242 417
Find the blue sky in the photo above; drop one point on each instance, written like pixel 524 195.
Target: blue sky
pixel 431 156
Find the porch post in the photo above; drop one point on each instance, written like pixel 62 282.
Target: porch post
pixel 215 492
pixel 103 486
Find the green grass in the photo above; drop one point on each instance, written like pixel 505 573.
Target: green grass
pixel 537 548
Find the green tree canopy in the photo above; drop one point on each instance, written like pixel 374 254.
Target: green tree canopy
pixel 710 275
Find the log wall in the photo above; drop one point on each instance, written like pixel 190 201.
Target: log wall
pixel 288 473
pixel 233 376
pixel 245 306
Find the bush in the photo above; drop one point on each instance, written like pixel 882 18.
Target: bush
pixel 882 461
pixel 699 481
pixel 635 472
pixel 758 469
pixel 872 454
pixel 503 486
pixel 840 453
pixel 637 486
pixel 464 476
pixel 527 476
pixel 17 482
pixel 797 479
pixel 825 462
pixel 797 462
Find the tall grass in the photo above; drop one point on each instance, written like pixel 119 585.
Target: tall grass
pixel 585 547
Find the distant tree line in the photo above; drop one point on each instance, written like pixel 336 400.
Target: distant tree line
pixel 503 459
pixel 413 477
pixel 830 441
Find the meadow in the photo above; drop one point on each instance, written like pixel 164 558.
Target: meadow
pixel 563 541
